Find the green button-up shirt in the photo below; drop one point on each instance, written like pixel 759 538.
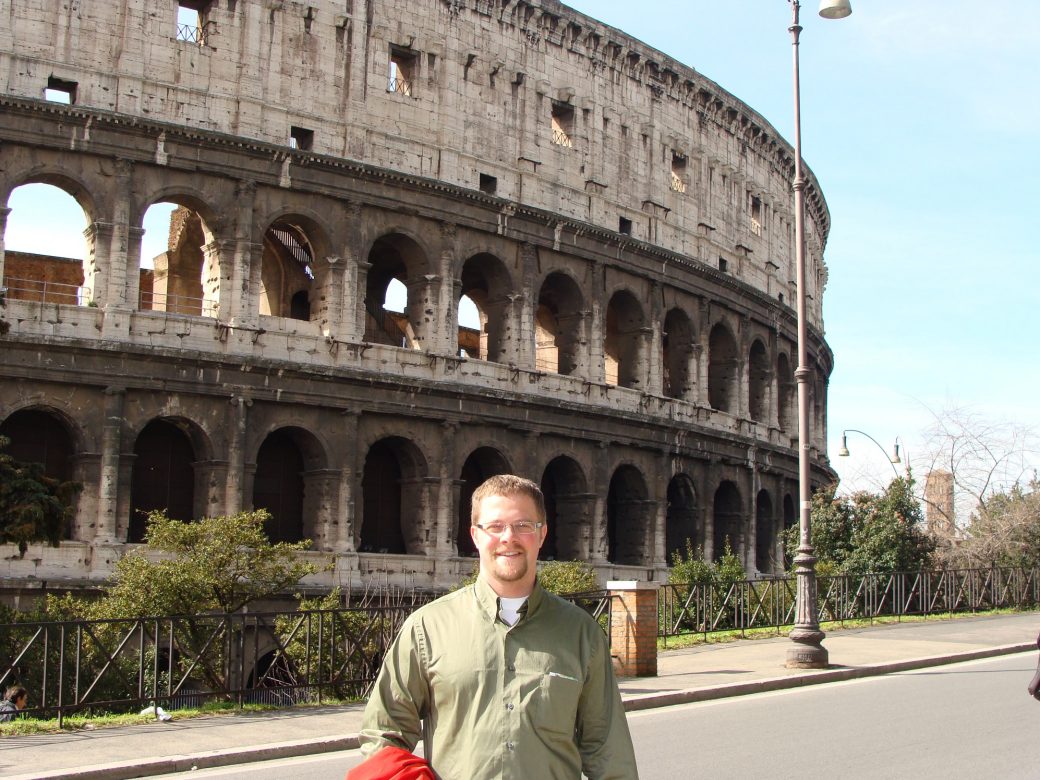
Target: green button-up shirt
pixel 533 701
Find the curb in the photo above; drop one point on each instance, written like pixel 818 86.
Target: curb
pixel 689 696
pixel 304 747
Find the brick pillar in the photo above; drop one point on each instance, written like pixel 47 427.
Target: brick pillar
pixel 633 627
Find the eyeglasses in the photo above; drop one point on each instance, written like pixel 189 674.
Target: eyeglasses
pixel 523 528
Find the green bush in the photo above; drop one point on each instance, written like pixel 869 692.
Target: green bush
pixel 562 577
pixel 690 569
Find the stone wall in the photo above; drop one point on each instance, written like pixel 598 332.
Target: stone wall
pixel 642 373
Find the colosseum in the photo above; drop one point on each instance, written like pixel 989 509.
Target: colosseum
pixel 622 226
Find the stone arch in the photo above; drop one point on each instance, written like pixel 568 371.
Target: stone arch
pixel 185 279
pixel 677 342
pixel 285 482
pixel 624 351
pixel 292 273
pixel 759 377
pixel 568 508
pixel 62 178
pixel 786 411
pixel 42 435
pixel 392 498
pixel 681 518
pixel 486 281
pixel 395 256
pixel 765 533
pixel 629 517
pixel 163 474
pixel 559 325
pixel 728 520
pixel 31 275
pixel 482 463
pixel 722 369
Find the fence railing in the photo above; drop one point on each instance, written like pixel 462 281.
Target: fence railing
pixel 281 658
pixel 123 665
pixel 770 603
pixel 45 291
pixel 177 304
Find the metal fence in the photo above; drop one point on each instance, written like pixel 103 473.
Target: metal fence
pixel 124 665
pixel 45 291
pixel 770 603
pixel 279 658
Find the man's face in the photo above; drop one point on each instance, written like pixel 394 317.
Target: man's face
pixel 508 563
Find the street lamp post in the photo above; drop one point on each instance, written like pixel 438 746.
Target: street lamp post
pixel 893 459
pixel 808 651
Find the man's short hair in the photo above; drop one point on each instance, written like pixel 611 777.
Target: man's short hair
pixel 507 485
pixel 15 692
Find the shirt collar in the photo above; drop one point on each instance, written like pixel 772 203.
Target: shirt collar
pixel 487 599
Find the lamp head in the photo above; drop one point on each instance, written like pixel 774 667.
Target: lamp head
pixel 835 9
pixel 844 451
pixel 895 453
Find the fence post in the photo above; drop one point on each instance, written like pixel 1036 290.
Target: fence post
pixel 633 627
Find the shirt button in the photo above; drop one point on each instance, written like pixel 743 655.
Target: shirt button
pixel 509 706
pixel 509 745
pixel 511 668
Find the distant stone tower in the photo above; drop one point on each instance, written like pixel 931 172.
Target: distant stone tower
pixel 940 514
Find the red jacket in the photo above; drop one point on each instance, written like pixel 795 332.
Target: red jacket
pixel 392 763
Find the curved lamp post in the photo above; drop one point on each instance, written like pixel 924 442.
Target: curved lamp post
pixel 808 651
pixel 893 459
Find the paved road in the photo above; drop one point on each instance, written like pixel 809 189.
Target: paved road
pixel 969 720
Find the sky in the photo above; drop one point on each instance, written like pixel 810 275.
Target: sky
pixel 920 121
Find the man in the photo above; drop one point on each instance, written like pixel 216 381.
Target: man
pixel 501 679
pixel 14 700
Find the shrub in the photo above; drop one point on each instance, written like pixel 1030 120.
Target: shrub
pixel 562 577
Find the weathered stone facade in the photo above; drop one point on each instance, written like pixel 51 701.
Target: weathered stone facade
pixel 623 225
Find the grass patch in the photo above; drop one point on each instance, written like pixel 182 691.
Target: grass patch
pixel 27 726
pixel 721 637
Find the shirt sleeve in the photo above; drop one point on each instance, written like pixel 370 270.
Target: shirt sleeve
pixel 400 697
pixel 602 730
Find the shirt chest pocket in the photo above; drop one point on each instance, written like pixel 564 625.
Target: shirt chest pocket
pixel 550 701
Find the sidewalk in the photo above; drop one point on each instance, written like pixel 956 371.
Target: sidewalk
pixel 694 674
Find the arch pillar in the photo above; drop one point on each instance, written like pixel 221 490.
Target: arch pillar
pixel 352 280
pixel 742 375
pixel 772 353
pixel 133 265
pixel 652 343
pixel 330 312
pixel 242 275
pixel 658 556
pixel 237 424
pixel 441 306
pixel 108 489
pixel 319 503
pixel 423 294
pixel 694 381
pixel 357 311
pixel 4 212
pixel 525 311
pixel 217 273
pixel 596 333
pixel 702 352
pixel 447 494
pixel 600 486
pixel 345 519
